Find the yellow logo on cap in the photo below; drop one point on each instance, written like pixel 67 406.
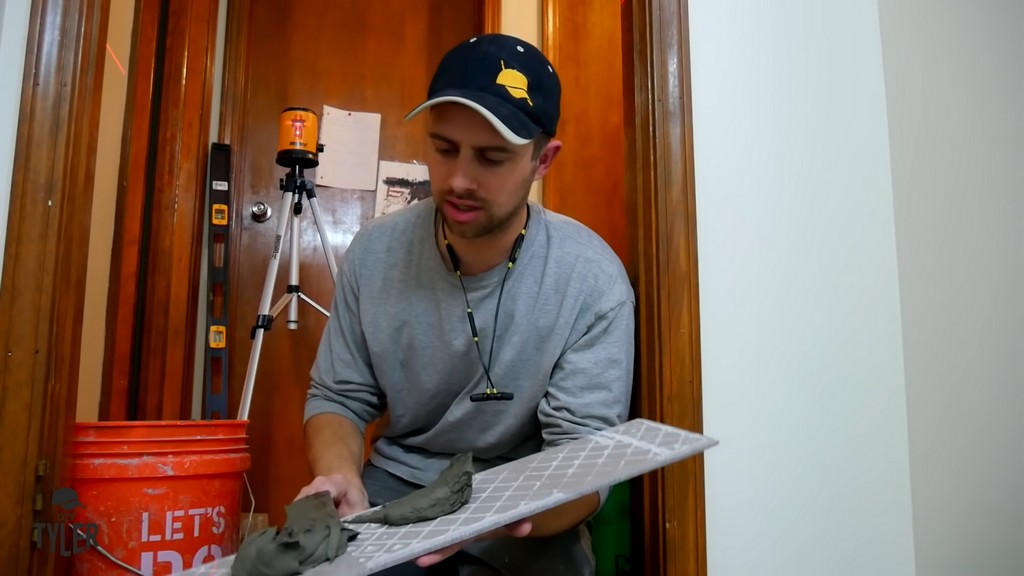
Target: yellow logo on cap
pixel 514 81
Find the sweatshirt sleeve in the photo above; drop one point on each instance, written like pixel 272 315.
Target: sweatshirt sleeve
pixel 591 384
pixel 342 377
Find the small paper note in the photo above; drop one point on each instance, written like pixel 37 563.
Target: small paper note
pixel 351 144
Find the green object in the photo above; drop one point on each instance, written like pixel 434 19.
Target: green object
pixel 610 534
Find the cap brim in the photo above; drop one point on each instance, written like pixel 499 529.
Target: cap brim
pixel 524 134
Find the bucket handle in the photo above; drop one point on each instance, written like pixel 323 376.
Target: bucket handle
pixel 108 555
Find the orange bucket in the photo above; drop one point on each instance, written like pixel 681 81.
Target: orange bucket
pixel 159 496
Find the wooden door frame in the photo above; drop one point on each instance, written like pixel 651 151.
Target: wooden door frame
pixel 660 180
pixel 668 505
pixel 42 297
pixel 153 300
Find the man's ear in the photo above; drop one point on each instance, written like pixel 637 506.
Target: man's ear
pixel 547 156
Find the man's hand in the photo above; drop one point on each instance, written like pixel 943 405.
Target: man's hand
pixel 348 493
pixel 519 529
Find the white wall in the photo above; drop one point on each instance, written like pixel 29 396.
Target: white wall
pixel 802 357
pixel 13 36
pixel 955 86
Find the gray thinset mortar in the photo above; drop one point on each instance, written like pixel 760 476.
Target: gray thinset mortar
pixel 311 536
pixel 450 491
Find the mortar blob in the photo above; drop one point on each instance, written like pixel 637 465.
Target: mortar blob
pixel 450 491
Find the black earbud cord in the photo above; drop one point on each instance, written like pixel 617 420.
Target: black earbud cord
pixel 491 392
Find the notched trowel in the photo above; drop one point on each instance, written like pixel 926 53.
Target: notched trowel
pixel 446 494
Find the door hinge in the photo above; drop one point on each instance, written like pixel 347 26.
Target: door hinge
pixel 42 467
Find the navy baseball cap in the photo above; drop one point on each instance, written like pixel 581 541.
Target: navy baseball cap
pixel 507 80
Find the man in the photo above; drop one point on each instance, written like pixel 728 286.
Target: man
pixel 479 322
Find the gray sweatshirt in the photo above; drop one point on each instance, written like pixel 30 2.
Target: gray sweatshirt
pixel 398 339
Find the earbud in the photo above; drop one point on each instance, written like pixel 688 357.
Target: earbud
pixel 515 249
pixel 490 396
pixel 451 255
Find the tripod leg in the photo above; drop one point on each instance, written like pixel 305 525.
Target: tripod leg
pixel 315 206
pixel 263 318
pixel 293 267
pixel 310 301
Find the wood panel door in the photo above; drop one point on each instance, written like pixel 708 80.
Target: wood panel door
pixel 349 54
pixel 583 39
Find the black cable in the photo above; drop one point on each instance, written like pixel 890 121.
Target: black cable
pixel 491 392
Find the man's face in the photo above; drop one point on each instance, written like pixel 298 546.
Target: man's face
pixel 479 180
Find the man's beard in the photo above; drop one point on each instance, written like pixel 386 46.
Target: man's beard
pixel 488 223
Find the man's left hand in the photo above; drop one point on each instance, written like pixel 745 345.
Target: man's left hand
pixel 518 529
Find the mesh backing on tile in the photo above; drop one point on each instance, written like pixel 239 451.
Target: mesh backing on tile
pixel 514 491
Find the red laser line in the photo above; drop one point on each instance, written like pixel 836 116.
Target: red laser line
pixel 116 61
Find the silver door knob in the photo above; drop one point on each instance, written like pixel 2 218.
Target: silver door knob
pixel 260 211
